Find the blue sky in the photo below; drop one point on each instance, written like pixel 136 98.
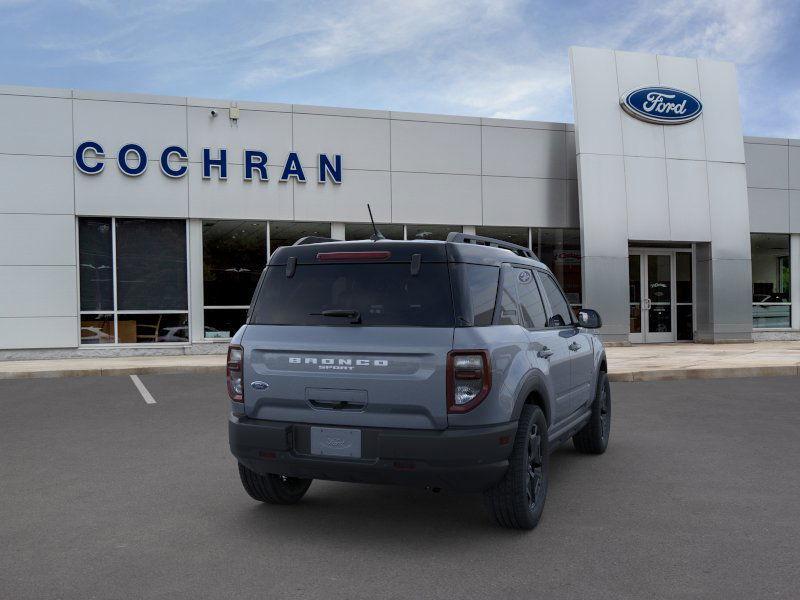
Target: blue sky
pixel 503 58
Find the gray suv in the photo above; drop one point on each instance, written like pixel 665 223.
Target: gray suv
pixel 451 365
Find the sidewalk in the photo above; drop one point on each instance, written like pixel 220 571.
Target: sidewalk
pixel 655 362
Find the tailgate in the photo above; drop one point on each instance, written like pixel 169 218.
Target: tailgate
pixel 351 376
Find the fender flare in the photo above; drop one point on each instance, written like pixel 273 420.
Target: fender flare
pixel 534 381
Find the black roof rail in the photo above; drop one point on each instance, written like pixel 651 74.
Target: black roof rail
pixel 314 239
pixel 480 240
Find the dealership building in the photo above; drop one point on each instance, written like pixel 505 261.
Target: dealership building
pixel 136 224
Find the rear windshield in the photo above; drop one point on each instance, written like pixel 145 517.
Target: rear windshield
pixel 384 295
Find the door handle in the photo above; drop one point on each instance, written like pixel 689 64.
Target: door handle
pixel 574 346
pixel 545 352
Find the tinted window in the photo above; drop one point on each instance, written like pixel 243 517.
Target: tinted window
pixel 151 264
pixel 561 313
pixel 530 301
pixel 509 314
pixel 234 254
pixel 96 264
pixel 481 292
pixel 383 294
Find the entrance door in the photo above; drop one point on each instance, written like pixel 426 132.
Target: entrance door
pixel 661 298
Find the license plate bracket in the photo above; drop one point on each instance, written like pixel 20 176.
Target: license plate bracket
pixel 336 441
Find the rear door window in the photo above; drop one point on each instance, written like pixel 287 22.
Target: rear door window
pixel 561 314
pixel 384 294
pixel 530 300
pixel 509 313
pixel 475 293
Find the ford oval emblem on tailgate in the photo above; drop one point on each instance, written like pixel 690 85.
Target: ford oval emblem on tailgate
pixel 259 385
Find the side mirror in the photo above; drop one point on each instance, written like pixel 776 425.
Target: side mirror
pixel 589 319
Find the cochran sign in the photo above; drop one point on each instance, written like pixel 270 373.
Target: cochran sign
pixel 663 105
pixel 173 160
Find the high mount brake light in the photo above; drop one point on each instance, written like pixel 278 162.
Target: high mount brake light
pixel 233 373
pixel 469 379
pixel 368 255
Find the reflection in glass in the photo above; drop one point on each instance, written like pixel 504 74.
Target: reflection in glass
pixel 684 326
pixel 560 249
pixel 152 328
pixel 660 318
pixel 431 232
pixel 683 277
pixel 97 329
pixel 286 233
pixel 771 280
pixel 234 254
pixel 636 318
pixel 363 231
pixel 635 277
pixel 659 285
pixel 223 323
pixel 151 264
pixel 96 264
pixel 515 235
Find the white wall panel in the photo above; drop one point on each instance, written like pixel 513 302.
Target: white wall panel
pixel 113 124
pixel 363 143
pixel 33 125
pixel 434 198
pixel 722 120
pixel 635 70
pixel 436 147
pixel 769 210
pixel 730 216
pixel 519 152
pixel 794 211
pixel 596 101
pixel 687 185
pixel 270 132
pixel 686 141
pixel 794 167
pixel 237 199
pixel 767 166
pixel 569 155
pixel 38 332
pixel 151 194
pixel 37 239
pixel 38 291
pixel 525 202
pixel 604 215
pixel 346 202
pixel 648 205
pixel 36 184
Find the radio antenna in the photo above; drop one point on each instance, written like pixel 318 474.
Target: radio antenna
pixel 377 235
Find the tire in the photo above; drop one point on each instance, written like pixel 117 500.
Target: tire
pixel 273 489
pixel 517 501
pixel 593 438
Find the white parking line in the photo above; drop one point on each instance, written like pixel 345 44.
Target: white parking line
pixel 148 397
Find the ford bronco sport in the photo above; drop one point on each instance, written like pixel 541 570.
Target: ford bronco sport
pixel 449 365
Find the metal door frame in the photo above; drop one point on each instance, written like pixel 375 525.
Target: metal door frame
pixel 645 337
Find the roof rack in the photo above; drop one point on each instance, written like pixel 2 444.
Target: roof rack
pixel 313 239
pixel 479 240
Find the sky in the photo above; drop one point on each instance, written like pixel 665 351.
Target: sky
pixel 495 58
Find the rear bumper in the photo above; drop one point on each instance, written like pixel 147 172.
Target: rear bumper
pixel 457 459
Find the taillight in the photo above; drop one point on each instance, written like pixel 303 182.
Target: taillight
pixel 469 378
pixel 234 373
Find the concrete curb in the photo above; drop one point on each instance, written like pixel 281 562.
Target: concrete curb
pixel 113 371
pixel 705 373
pixel 623 376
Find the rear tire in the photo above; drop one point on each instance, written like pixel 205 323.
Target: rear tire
pixel 273 489
pixel 518 500
pixel 593 438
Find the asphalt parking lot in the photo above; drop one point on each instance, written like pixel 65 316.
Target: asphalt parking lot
pixel 107 496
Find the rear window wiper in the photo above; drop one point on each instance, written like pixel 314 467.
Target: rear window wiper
pixel 344 313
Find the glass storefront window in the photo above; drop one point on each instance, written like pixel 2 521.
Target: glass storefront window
pixel 133 278
pixel 515 235
pixel 286 233
pixel 560 250
pixel 363 231
pixel 431 232
pixel 771 280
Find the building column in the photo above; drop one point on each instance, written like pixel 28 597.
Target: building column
pixel 337 231
pixel 195 251
pixel 794 266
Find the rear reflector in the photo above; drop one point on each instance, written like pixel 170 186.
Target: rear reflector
pixel 370 255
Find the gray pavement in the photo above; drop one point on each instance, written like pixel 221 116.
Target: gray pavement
pixel 106 496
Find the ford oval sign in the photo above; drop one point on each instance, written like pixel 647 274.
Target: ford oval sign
pixel 662 105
